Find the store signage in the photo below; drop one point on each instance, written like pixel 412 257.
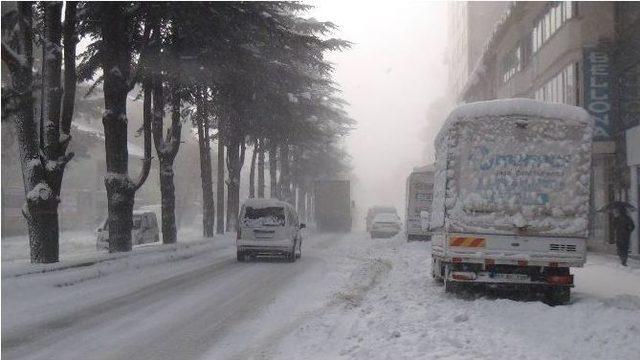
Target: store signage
pixel 597 90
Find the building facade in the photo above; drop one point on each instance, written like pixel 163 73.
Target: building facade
pixel 580 53
pixel 469 24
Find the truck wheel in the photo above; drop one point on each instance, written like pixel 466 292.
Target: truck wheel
pixel 240 256
pixel 558 295
pixel 450 286
pixel 291 256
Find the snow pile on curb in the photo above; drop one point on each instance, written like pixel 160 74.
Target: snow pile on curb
pixel 406 315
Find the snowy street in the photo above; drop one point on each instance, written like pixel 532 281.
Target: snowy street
pixel 348 297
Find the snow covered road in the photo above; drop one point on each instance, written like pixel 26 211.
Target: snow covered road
pixel 348 297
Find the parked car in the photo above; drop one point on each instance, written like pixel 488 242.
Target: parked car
pixel 268 227
pixel 372 212
pixel 385 225
pixel 145 230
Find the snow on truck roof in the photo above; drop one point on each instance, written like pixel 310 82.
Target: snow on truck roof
pixel 515 107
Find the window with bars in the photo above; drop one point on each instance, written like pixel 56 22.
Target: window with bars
pixel 511 63
pixel 561 88
pixel 548 24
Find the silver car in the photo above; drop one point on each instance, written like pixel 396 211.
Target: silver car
pixel 145 230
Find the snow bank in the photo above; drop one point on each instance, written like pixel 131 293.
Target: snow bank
pixel 406 315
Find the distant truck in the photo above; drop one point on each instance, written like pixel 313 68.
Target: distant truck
pixel 332 208
pixel 511 196
pixel 419 195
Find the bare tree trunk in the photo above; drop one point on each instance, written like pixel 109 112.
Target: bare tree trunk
pixel 301 200
pixel 37 193
pixel 235 159
pixel 120 188
pixel 167 149
pixel 43 159
pixel 166 146
pixel 220 185
pixel 252 172
pixel 285 174
pixel 208 206
pixel 273 171
pixel 261 169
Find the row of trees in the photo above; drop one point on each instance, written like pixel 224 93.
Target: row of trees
pixel 244 75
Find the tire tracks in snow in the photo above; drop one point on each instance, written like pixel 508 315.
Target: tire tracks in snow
pixel 366 276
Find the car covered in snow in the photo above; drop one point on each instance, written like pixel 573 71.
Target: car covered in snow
pixel 511 196
pixel 268 227
pixel 145 230
pixel 378 209
pixel 385 225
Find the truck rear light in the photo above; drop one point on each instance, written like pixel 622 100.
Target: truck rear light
pixel 489 261
pixel 560 279
pixel 465 276
pixel 523 263
pixel 456 260
pixel 553 264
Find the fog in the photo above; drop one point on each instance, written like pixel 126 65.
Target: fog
pixel 394 73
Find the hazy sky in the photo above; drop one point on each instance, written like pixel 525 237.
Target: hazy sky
pixel 391 75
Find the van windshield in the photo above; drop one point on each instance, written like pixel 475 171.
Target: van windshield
pixel 264 216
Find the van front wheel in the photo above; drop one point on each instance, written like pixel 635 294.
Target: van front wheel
pixel 291 256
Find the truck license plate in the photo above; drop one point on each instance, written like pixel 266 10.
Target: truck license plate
pixel 512 277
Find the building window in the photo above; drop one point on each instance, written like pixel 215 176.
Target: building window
pixel 549 23
pixel 562 88
pixel 511 63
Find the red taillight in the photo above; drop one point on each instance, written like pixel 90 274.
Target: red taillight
pixel 553 264
pixel 456 260
pixel 560 279
pixel 464 276
pixel 523 263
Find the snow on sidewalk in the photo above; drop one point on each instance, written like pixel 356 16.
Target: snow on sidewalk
pixel 406 315
pixel 30 291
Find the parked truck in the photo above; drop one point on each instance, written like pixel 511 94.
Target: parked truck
pixel 511 196
pixel 332 199
pixel 419 195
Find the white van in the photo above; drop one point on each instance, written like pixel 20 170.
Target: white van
pixel 268 227
pixel 145 230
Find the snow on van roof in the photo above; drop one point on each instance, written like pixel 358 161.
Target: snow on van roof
pixel 386 217
pixel 264 203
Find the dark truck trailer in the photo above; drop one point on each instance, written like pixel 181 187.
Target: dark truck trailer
pixel 332 205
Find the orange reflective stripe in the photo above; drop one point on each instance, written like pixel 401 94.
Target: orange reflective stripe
pixel 467 242
pixel 477 242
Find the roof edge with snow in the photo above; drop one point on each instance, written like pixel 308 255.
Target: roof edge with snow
pixel 516 107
